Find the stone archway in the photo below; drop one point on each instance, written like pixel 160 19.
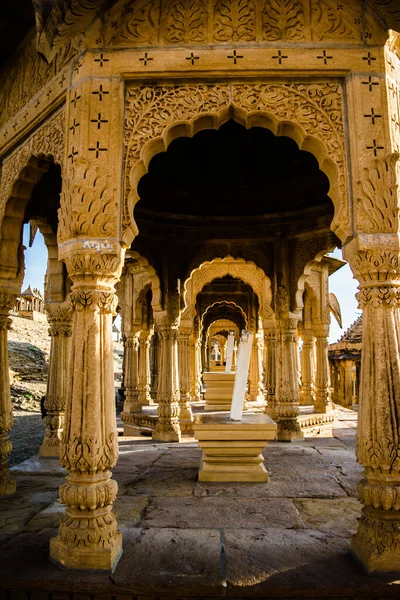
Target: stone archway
pixel 247 271
pixel 157 115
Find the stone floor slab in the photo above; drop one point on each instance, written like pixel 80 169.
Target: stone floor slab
pixel 215 512
pixel 170 558
pixel 41 466
pixel 337 515
pixel 166 482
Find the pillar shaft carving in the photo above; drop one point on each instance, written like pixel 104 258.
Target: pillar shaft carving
pixel 256 391
pixel 184 358
pixel 59 316
pixel 7 482
pixel 323 402
pixel 167 428
pixel 144 397
pixel 131 403
pixel 377 542
pixel 154 362
pixel 287 383
pixel 270 353
pixel 88 536
pixel 307 394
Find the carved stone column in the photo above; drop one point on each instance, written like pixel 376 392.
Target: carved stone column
pixel 348 383
pixel 59 316
pixel 323 402
pixel 186 415
pixel 88 537
pixel 194 386
pixel 7 482
pixel 255 375
pixel 154 362
pixel 167 428
pixel 287 383
pixel 377 541
pixel 270 352
pixel 307 395
pixel 131 403
pixel 144 397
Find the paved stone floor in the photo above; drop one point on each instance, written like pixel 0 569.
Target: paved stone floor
pixel 288 538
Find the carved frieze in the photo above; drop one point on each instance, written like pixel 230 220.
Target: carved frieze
pixel 239 21
pixel 283 20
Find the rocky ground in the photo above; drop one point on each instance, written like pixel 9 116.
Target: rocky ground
pixel 29 350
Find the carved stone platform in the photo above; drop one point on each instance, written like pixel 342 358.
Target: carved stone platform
pixel 144 421
pixel 232 449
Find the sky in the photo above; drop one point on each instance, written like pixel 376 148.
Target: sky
pixel 341 283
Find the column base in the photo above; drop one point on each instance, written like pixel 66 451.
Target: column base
pixel 166 434
pixel 8 485
pixel 322 407
pixel 289 431
pixel 376 545
pixel 99 559
pixel 271 412
pixel 50 449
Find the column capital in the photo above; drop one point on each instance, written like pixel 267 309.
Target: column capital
pixel 59 316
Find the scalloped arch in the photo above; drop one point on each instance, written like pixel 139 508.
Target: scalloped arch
pixel 247 271
pixel 160 114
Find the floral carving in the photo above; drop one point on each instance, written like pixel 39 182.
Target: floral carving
pixel 141 24
pixel 377 203
pixel 283 20
pixel 27 74
pixel 88 204
pixel 234 20
pixel 186 22
pixel 328 22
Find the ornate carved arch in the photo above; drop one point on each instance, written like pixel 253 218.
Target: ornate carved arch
pixel 225 303
pixel 19 174
pixel 156 115
pixel 247 271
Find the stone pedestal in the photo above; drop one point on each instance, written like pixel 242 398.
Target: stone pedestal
pixel 219 390
pixel 232 449
pixel 59 316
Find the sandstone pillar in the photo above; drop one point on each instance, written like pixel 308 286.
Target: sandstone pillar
pixel 377 541
pixel 184 357
pixel 255 375
pixel 7 482
pixel 59 315
pixel 194 383
pixel 323 402
pixel 88 537
pixel 307 395
pixel 270 353
pixel 144 397
pixel 287 383
pixel 348 383
pixel 167 428
pixel 131 403
pixel 154 362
